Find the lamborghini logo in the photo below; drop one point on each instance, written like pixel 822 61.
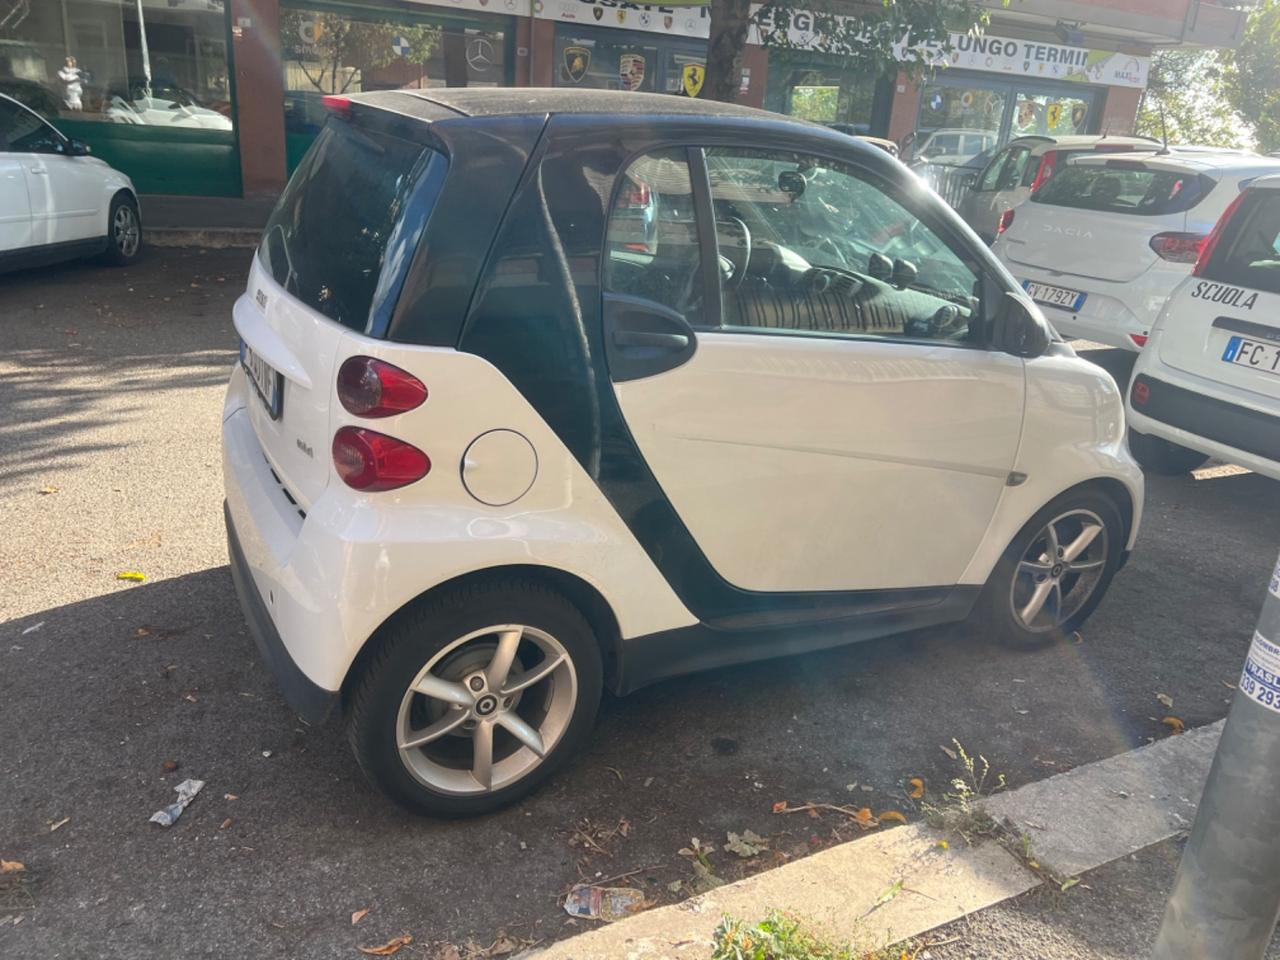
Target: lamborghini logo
pixel 693 74
pixel 576 62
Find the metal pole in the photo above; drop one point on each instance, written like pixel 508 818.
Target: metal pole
pixel 1226 897
pixel 146 54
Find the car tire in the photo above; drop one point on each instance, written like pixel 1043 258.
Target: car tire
pixel 444 645
pixel 1030 565
pixel 1157 455
pixel 124 232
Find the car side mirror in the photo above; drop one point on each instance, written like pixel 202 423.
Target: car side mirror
pixel 1018 329
pixel 78 148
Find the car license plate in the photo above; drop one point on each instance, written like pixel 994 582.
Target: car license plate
pixel 266 380
pixel 1054 296
pixel 1253 354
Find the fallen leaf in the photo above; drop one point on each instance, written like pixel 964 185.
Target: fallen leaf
pixel 1174 724
pixel 917 788
pixel 142 632
pixel 12 866
pixel 61 823
pixel 225 823
pixel 1228 685
pixel 865 818
pixel 388 948
pixel 189 697
pixel 230 796
pixel 780 807
pixel 1166 700
pixel 1068 884
pixel 133 575
pixel 33 628
pixel 359 915
pixel 746 845
pixel 813 814
pixel 45 491
pixel 502 947
pixel 943 845
pixel 169 766
pixel 891 816
pixel 949 752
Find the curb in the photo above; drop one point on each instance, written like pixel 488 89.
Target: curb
pixel 1075 821
pixel 213 238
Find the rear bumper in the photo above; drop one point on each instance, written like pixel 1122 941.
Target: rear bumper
pixel 1112 312
pixel 311 701
pixel 1219 428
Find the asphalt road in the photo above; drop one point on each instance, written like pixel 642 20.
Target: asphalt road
pixel 110 393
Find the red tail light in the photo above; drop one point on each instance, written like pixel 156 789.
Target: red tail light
pixel 1139 339
pixel 635 194
pixel 338 106
pixel 1177 247
pixel 1211 244
pixel 372 388
pixel 1141 394
pixel 1048 163
pixel 1006 219
pixel 371 461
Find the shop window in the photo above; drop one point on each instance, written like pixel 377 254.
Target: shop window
pixel 818 87
pixel 328 50
pixel 146 84
pixel 607 59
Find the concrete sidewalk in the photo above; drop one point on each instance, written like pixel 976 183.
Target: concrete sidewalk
pixel 1073 823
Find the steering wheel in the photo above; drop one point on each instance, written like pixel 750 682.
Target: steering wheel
pixel 735 246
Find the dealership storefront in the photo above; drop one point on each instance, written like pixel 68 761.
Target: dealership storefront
pixel 222 97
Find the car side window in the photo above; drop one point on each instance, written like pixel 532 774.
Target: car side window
pixel 22 131
pixel 991 174
pixel 651 248
pixel 808 246
pixel 1012 172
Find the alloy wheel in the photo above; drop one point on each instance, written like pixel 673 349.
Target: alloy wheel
pixel 125 231
pixel 1059 571
pixel 486 709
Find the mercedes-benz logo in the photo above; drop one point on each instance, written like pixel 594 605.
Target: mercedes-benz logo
pixel 479 54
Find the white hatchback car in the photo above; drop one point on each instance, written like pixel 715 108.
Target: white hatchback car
pixel 1103 243
pixel 56 201
pixel 1023 166
pixel 488 452
pixel 1208 383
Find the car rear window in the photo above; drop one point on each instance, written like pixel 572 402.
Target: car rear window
pixel 327 240
pixel 1120 186
pixel 1250 255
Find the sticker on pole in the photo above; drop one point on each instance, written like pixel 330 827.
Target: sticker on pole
pixel 1260 681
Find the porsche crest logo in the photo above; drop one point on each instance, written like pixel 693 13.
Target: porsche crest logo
pixel 631 71
pixel 692 76
pixel 576 62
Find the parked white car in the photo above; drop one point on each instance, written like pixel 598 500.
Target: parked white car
pixel 56 201
pixel 807 408
pixel 948 146
pixel 1208 382
pixel 1104 243
pixel 1025 164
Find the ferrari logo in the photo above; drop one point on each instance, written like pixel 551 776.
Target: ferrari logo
pixel 693 74
pixel 1053 115
pixel 576 62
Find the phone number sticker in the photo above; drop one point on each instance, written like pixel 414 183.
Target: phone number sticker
pixel 1260 681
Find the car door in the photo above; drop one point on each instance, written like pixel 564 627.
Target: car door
pixel 15 208
pixel 66 192
pixel 981 201
pixel 810 390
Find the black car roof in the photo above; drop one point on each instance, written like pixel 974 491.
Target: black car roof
pixel 520 101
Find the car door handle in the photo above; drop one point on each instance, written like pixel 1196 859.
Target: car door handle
pixel 40 170
pixel 650 338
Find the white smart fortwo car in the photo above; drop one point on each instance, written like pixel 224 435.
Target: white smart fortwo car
pixel 542 393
